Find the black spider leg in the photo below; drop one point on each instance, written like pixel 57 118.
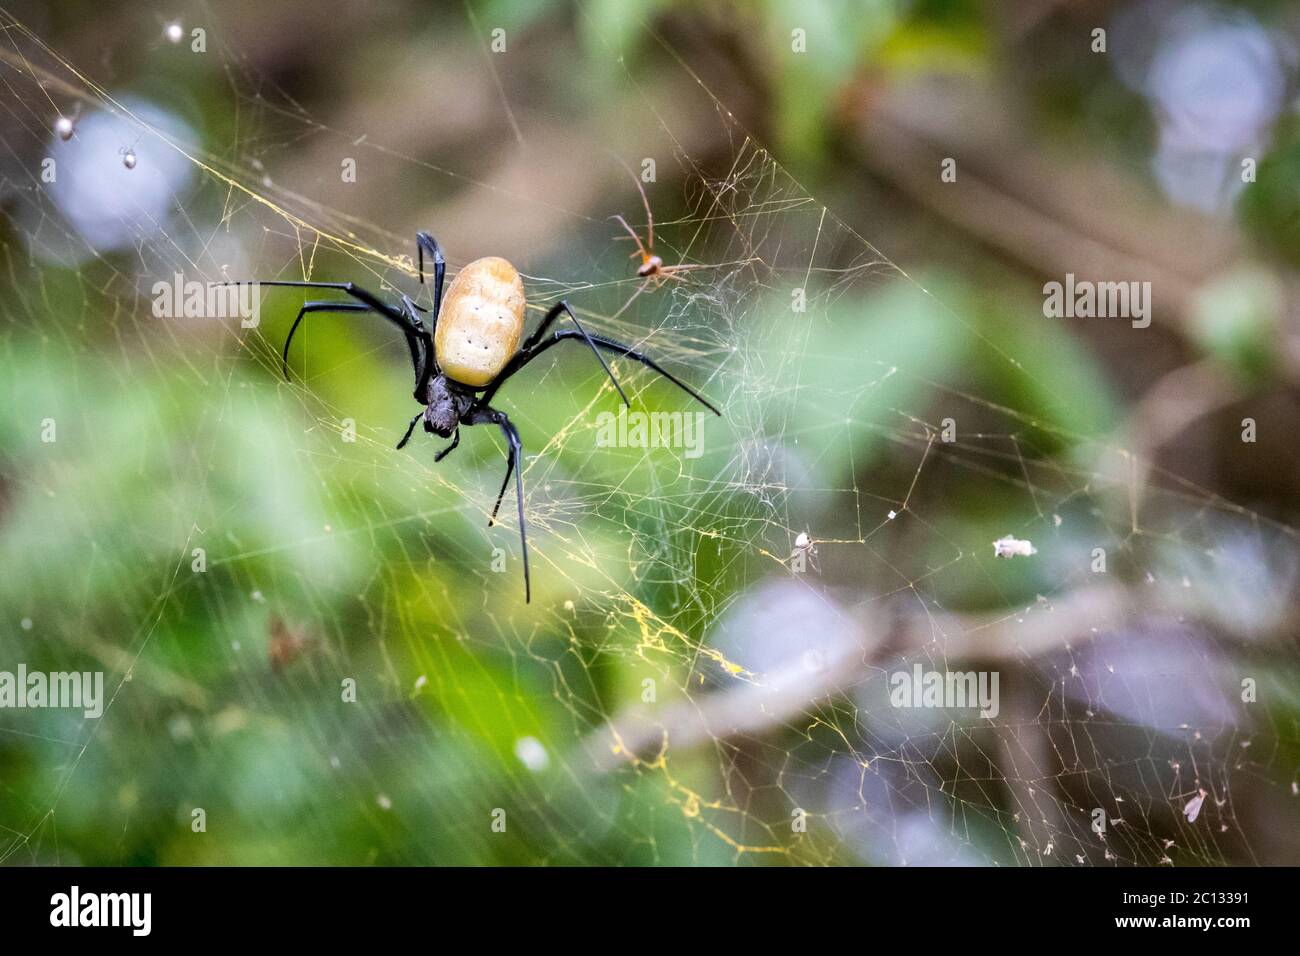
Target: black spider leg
pixel 331 305
pixel 411 309
pixel 455 440
pixel 409 429
pixel 525 356
pixel 424 242
pixel 515 466
pixel 430 357
pixel 560 308
pixel 418 340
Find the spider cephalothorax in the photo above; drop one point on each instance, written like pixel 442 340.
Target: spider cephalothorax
pixel 469 349
pixel 447 405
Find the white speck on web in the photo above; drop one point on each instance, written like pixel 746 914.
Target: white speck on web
pixel 1009 547
pixel 1193 808
pixel 532 754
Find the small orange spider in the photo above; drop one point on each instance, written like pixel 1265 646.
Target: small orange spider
pixel 652 268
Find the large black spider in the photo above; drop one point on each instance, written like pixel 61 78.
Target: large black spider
pixel 480 333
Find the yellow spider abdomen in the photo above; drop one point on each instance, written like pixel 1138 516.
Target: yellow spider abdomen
pixel 481 321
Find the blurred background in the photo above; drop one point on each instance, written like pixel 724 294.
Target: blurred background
pixel 317 651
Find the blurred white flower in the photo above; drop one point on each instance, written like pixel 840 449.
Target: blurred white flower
pixel 1216 80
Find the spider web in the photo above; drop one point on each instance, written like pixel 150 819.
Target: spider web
pixel 676 692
